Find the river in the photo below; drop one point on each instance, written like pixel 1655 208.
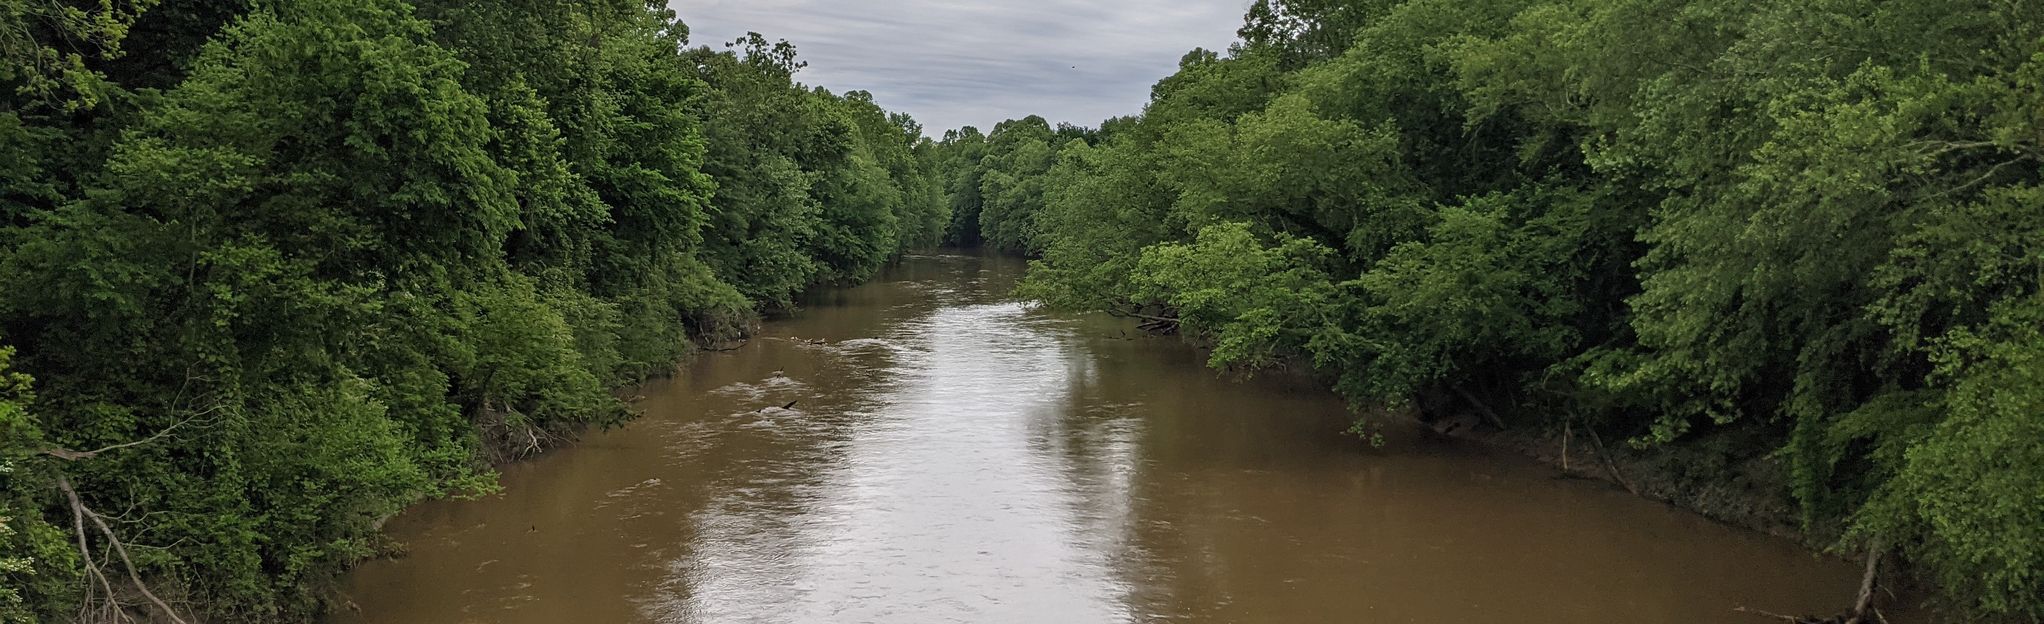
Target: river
pixel 954 455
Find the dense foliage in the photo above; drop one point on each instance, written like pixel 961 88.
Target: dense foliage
pixel 1820 224
pixel 290 266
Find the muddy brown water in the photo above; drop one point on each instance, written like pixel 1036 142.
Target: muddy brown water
pixel 956 456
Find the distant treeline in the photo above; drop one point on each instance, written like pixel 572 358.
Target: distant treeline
pixel 1805 229
pixel 272 270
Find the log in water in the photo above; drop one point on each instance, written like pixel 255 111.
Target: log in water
pixel 953 455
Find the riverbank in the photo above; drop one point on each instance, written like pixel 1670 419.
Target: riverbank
pixel 1704 476
pixel 1715 475
pixel 1709 475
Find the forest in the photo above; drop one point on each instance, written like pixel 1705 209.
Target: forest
pixel 272 271
pixel 1805 231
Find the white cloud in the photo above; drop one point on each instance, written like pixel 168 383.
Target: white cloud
pixel 952 63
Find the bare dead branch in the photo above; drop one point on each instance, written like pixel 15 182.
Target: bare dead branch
pixel 1568 431
pixel 79 513
pixel 1863 611
pixel 91 562
pixel 70 455
pixel 1608 465
pixel 1991 172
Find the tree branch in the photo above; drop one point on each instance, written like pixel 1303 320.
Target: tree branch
pixel 1141 316
pixel 70 455
pixel 1991 172
pixel 1608 465
pixel 79 512
pixel 1488 413
pixel 1863 611
pixel 85 553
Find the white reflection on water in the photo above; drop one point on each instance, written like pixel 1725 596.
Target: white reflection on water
pixel 944 506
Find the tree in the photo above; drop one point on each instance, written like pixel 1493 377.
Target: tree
pixel 1812 226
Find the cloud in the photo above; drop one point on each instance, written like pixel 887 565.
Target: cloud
pixel 952 63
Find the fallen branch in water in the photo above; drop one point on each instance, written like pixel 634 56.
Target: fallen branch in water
pixel 1863 611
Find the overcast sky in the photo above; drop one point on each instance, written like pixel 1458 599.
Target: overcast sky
pixel 952 63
